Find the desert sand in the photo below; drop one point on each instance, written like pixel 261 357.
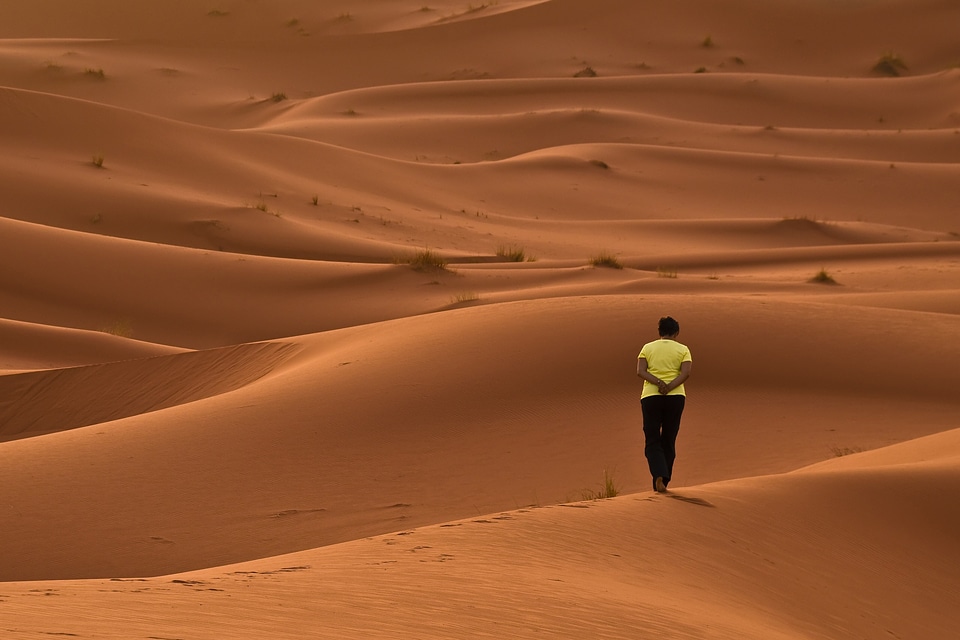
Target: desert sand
pixel 320 319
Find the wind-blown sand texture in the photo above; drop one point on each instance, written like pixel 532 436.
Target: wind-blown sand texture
pixel 230 407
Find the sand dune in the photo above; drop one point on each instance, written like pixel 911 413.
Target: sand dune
pixel 29 346
pixel 829 552
pixel 377 427
pixel 107 392
pixel 228 392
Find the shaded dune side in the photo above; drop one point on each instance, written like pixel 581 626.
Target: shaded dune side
pixel 193 299
pixel 798 255
pixel 937 301
pixel 25 345
pixel 941 447
pixel 42 402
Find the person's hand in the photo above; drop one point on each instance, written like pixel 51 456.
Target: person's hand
pixel 664 388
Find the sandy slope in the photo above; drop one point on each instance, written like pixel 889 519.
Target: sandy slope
pixel 827 553
pixel 213 351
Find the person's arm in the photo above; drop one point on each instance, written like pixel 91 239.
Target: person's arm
pixel 649 377
pixel 685 368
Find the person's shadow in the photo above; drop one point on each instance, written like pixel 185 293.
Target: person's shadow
pixel 690 499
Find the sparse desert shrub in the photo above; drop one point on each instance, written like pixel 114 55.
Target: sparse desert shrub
pixel 667 272
pixel 822 277
pixel 427 260
pixel 279 96
pixel 707 42
pixel 350 112
pixel 473 9
pixel 845 451
pixel 600 163
pixel 586 72
pixel 96 74
pixel 217 13
pixel 512 253
pixel 890 64
pixel 700 70
pixel 605 259
pixel 97 160
pixel 315 200
pixel 465 296
pixel 608 489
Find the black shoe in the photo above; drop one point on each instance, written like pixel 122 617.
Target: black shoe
pixel 659 486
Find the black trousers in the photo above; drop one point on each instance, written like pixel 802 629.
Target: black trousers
pixel 661 423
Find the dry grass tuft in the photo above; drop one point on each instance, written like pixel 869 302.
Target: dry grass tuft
pixel 890 64
pixel 608 489
pixel 605 259
pixel 464 297
pixel 845 451
pixel 513 253
pixel 427 260
pixel 822 277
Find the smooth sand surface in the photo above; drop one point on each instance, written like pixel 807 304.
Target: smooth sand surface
pixel 230 407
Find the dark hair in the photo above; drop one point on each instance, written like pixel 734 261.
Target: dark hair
pixel 668 326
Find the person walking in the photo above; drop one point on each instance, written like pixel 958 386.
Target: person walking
pixel 664 365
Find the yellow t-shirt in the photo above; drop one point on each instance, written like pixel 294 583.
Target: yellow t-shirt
pixel 663 358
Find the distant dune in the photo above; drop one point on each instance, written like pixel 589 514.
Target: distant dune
pixel 320 318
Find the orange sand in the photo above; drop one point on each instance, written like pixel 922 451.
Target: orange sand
pixel 229 408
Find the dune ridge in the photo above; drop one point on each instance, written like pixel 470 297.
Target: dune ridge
pixel 322 318
pixel 112 391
